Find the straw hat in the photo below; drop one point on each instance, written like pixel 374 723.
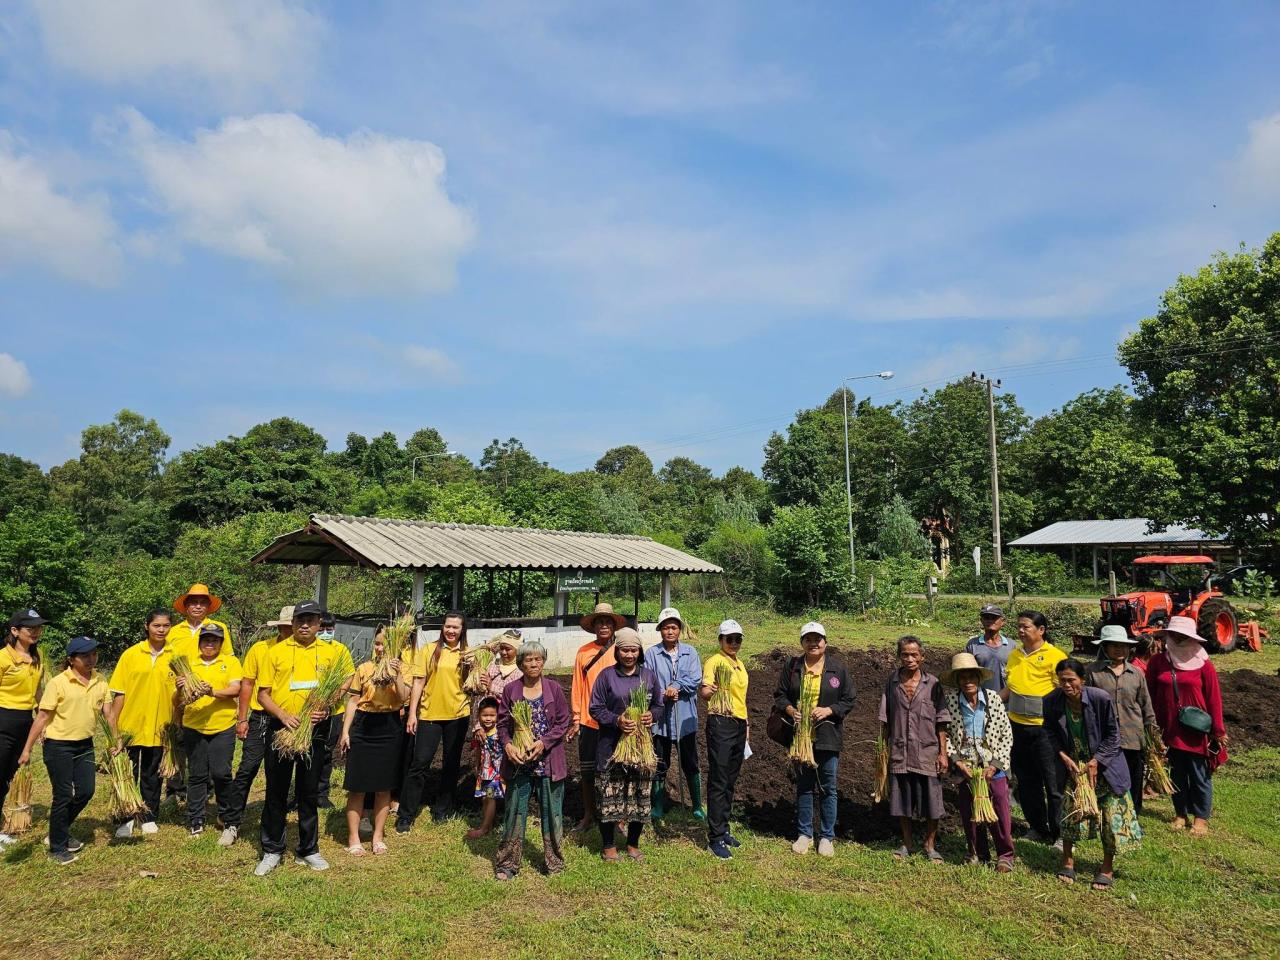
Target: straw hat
pixel 284 620
pixel 959 664
pixel 197 590
pixel 588 622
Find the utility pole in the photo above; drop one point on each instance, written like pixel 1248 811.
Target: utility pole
pixel 995 466
pixel 848 477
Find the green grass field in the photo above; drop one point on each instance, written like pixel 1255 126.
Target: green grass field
pixel 434 894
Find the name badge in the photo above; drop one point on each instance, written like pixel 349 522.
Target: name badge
pixel 302 684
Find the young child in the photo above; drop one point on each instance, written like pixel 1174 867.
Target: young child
pixel 488 754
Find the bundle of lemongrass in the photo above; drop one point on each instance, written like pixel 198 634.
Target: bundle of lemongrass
pixel 397 636
pixel 802 742
pixel 1084 799
pixel 1157 774
pixel 321 699
pixel 193 688
pixel 880 787
pixel 173 759
pixel 522 720
pixel 635 749
pixel 126 799
pixel 17 812
pixel 721 702
pixel 983 809
pixel 476 683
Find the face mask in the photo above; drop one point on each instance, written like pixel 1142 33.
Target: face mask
pixel 325 634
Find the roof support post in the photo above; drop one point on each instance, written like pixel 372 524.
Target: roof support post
pixel 666 590
pixel 419 581
pixel 520 594
pixel 1095 566
pixel 457 588
pixel 322 587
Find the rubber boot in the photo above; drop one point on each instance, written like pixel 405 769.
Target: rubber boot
pixel 658 797
pixel 695 796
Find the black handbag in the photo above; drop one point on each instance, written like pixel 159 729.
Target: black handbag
pixel 1193 718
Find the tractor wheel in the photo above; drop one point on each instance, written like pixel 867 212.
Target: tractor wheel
pixel 1216 624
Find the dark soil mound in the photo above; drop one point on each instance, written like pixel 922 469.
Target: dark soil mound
pixel 1251 708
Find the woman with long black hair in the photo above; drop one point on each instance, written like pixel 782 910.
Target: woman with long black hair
pixel 19 680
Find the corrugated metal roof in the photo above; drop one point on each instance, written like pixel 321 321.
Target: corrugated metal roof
pixel 417 544
pixel 1115 533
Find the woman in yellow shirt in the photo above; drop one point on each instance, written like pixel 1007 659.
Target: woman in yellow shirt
pixel 726 738
pixel 68 715
pixel 19 680
pixel 209 727
pixel 439 712
pixel 143 705
pixel 372 739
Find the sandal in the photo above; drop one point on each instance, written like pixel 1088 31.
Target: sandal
pixel 635 855
pixel 933 856
pixel 379 847
pixel 901 853
pixel 1101 881
pixel 356 850
pixel 1067 875
pixel 1004 866
pixel 608 857
pixel 503 875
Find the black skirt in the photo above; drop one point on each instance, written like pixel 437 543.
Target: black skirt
pixel 377 751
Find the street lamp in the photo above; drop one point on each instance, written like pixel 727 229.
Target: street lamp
pixel 848 480
pixel 413 464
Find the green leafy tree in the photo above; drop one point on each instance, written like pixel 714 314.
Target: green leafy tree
pixel 899 531
pixel 22 484
pixel 505 465
pixel 797 541
pixel 628 462
pixel 119 593
pixel 42 564
pixel 742 549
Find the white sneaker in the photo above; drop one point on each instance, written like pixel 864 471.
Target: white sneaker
pixel 826 848
pixel 229 836
pixel 315 862
pixel 150 827
pixel 125 830
pixel 802 845
pixel 5 839
pixel 268 863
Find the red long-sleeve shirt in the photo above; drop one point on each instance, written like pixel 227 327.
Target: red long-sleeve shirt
pixel 1196 688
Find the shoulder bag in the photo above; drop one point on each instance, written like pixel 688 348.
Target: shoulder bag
pixel 1193 718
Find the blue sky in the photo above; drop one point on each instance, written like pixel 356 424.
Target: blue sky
pixel 591 224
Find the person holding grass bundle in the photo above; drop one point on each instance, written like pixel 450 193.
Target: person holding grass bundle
pixel 679 673
pixel 69 711
pixel 914 719
pixel 818 679
pixel 533 720
pixel 503 668
pixel 142 708
pixel 20 671
pixel 487 749
pixel 591 660
pixel 1127 687
pixel 439 715
pixel 626 701
pixel 1092 771
pixel 724 687
pixel 296 668
pixel 979 741
pixel 209 727
pixel 372 739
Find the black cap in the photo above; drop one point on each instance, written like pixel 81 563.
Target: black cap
pixel 212 630
pixel 307 608
pixel 27 618
pixel 992 610
pixel 79 645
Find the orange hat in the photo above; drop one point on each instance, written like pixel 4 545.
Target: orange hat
pixel 197 590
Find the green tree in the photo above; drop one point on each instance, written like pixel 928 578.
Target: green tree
pixel 42 564
pixel 119 593
pixel 22 484
pixel 742 549
pixel 628 462
pixel 899 531
pixel 797 541
pixel 505 465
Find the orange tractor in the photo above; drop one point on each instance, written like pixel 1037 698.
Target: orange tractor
pixel 1175 594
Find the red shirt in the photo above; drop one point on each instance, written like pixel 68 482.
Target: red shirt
pixel 1196 688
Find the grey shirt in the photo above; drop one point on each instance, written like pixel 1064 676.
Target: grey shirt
pixel 995 659
pixel 1131 697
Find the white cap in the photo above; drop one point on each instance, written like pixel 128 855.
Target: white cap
pixel 670 613
pixel 729 626
pixel 813 626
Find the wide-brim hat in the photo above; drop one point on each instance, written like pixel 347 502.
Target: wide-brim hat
pixel 1114 633
pixel 284 620
pixel 1184 628
pixel 198 590
pixel 588 622
pixel 961 663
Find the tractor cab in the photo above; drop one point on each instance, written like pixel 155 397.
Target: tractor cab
pixel 1174 586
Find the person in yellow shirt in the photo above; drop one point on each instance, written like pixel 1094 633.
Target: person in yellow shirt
pixel 726 738
pixel 197 605
pixel 209 728
pixel 292 670
pixel 20 671
pixel 1029 678
pixel 439 711
pixel 143 704
pixel 68 716
pixel 251 724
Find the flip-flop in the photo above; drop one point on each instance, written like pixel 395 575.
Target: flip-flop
pixel 609 857
pixel 933 856
pixel 1067 875
pixel 356 851
pixel 636 855
pixel 1101 881
pixel 379 847
pixel 503 875
pixel 901 853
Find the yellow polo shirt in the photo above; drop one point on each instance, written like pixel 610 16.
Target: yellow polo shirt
pixel 211 715
pixel 291 670
pixel 1032 675
pixel 374 699
pixel 183 638
pixel 442 697
pixel 75 705
pixel 348 668
pixel 254 663
pixel 19 681
pixel 737 688
pixel 147 687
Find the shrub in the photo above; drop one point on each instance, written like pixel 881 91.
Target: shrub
pixel 742 549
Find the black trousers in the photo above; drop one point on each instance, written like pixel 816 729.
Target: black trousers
pixel 326 769
pixel 72 773
pixel 433 734
pixel 208 763
pixel 726 740
pixel 688 753
pixel 146 770
pixel 1035 766
pixel 304 773
pixel 251 753
pixel 1137 776
pixel 14 727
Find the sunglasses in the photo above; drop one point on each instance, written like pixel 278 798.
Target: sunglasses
pixel 733 640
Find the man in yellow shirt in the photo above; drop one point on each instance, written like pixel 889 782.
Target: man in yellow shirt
pixel 197 605
pixel 292 670
pixel 209 728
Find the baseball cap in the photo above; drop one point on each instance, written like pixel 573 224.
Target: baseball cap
pixel 813 626
pixel 307 608
pixel 211 630
pixel 670 613
pixel 729 626
pixel 992 610
pixel 27 618
pixel 79 645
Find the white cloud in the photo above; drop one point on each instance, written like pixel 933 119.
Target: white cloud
pixel 433 362
pixel 14 378
pixel 1258 171
pixel 231 46
pixel 41 226
pixel 363 215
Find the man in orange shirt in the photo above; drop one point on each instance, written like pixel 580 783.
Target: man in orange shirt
pixel 592 658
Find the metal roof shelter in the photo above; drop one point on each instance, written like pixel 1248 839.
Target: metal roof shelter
pixel 1111 535
pixel 421 546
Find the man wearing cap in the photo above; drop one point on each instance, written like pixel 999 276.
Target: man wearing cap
pixel 251 724
pixel 592 658
pixel 726 737
pixel 1127 686
pixel 328 634
pixel 679 673
pixel 197 605
pixel 991 648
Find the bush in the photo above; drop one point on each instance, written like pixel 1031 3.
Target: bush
pixel 796 539
pixel 742 549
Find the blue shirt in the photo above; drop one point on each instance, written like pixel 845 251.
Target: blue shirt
pixel 995 659
pixel 684 672
pixel 975 720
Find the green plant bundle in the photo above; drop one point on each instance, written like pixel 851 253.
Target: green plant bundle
pixel 522 718
pixel 635 749
pixel 1157 779
pixel 721 702
pixel 880 787
pixel 983 809
pixel 802 743
pixel 476 683
pixel 395 639
pixel 173 759
pixel 321 699
pixel 125 801
pixel 17 812
pixel 1084 799
pixel 193 688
